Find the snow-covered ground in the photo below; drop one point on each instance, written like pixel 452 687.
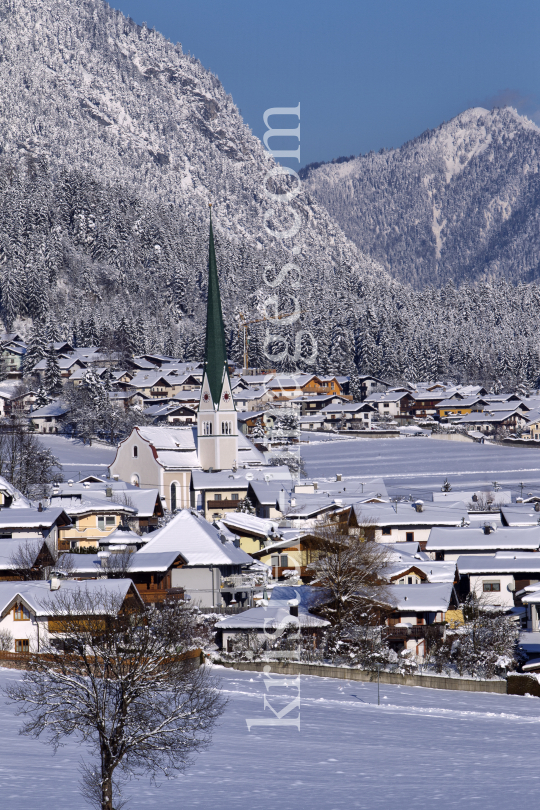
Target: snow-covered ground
pixel 422 748
pixel 78 459
pixel 419 466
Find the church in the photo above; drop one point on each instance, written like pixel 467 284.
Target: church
pixel 164 457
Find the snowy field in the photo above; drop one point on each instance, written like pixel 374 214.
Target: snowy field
pixel 77 459
pixel 419 466
pixel 422 749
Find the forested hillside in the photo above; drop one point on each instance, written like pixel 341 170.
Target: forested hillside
pixel 114 141
pixel 461 202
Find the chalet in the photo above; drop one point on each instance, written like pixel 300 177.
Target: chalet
pixel 460 406
pixel 49 418
pixel 409 522
pixel 349 415
pixel 498 577
pixel 68 366
pixel 414 609
pixel 263 621
pixel 12 356
pixel 490 421
pixel 247 422
pixel 254 533
pixel 29 523
pixel 317 402
pixel 251 399
pixel 368 384
pixel 152 385
pixel 30 611
pixel 217 494
pixel 172 414
pixel 209 567
pixel 449 544
pixel 91 519
pixel 391 403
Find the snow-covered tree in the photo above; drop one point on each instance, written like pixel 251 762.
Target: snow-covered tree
pixel 126 690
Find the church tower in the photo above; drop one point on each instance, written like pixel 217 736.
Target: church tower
pixel 217 428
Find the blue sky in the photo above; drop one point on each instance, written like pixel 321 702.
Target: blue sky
pixel 367 73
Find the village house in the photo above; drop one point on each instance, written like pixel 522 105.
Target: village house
pixel 450 544
pixel 404 522
pixel 210 567
pixel 50 418
pixel 31 611
pixel 497 578
pixel 68 366
pixel 393 403
pixel 30 523
pixel 16 550
pixel 91 519
pixel 11 358
pixel 460 406
pixel 414 609
pixel 263 621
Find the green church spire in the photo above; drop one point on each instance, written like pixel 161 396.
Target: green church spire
pixel 215 355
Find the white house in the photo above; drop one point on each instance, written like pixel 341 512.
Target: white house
pixel 27 608
pixel 498 578
pixel 449 544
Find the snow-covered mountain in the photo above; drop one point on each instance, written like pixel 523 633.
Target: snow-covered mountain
pixel 112 144
pixel 459 202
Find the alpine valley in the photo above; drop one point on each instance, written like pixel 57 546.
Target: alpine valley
pixel 113 142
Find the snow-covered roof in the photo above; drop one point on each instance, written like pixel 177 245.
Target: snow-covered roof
pixel 41 601
pixel 520 514
pixel 64 363
pixel 10 546
pixel 242 522
pixel 348 407
pixel 431 597
pixel 405 514
pixel 464 402
pixel 32 518
pixel 481 564
pixel 470 538
pixel 74 504
pixel 197 541
pixel 19 501
pixel 227 479
pixel 466 496
pixel 266 618
pixel 434 571
pixel 57 408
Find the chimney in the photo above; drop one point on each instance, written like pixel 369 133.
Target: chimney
pixel 116 477
pixel 40 507
pixel 488 528
pixel 338 476
pixel 108 492
pixel 315 486
pixel 55 583
pixel 419 506
pixel 537 506
pixel 293 501
pixel 293 607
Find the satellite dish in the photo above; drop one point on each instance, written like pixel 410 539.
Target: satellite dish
pixel 268 477
pixel 249 476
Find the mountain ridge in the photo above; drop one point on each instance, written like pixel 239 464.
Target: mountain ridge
pixel 459 202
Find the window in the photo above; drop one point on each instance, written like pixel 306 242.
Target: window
pixel 410 580
pixel 135 480
pixel 491 587
pixel 106 521
pixel 387 530
pixel 173 497
pixel 20 614
pixel 217 496
pixel 235 496
pixel 22 645
pixel 135 451
pixel 409 537
pixel 284 560
pixel 207 428
pixel 275 560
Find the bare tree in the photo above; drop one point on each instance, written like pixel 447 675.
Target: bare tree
pixel 118 564
pixel 351 570
pixel 124 688
pixel 25 462
pixel 31 559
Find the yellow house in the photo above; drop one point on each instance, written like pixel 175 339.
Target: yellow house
pixel 92 520
pixel 460 407
pixel 534 429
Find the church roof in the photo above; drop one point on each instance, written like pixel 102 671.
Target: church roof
pixel 215 350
